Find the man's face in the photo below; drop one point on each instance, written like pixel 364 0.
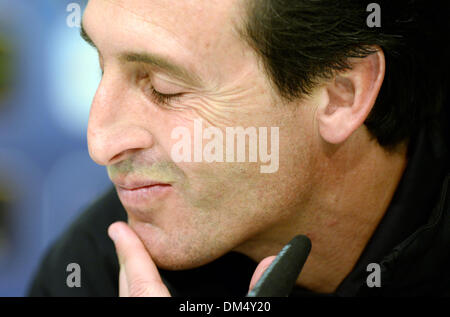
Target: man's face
pixel 209 208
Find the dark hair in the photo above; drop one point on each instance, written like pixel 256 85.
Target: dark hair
pixel 302 41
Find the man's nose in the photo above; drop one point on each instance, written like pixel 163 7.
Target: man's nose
pixel 115 129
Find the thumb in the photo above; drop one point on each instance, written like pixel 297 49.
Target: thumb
pixel 260 269
pixel 139 275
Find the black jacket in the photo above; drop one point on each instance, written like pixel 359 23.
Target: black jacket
pixel 411 244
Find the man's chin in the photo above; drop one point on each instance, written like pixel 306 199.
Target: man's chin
pixel 170 252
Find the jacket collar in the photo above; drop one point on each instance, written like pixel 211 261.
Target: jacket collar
pixel 411 242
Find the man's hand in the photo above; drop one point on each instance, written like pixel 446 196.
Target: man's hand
pixel 260 269
pixel 139 276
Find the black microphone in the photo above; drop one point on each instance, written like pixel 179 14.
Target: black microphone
pixel 280 277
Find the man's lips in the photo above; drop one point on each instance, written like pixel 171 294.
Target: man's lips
pixel 133 188
pixel 134 184
pixel 140 192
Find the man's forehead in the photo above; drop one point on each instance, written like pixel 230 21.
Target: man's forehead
pixel 188 30
pixel 183 14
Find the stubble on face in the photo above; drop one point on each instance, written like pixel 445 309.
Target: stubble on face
pixel 214 207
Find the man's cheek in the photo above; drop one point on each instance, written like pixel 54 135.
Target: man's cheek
pixel 220 109
pixel 231 189
pixel 206 185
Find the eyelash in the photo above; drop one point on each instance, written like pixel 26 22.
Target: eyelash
pixel 159 98
pixel 163 99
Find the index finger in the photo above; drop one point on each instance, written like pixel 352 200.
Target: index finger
pixel 140 272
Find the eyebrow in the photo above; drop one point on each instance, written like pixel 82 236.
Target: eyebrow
pixel 164 64
pixel 157 61
pixel 86 37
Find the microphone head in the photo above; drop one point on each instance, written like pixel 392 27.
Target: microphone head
pixel 280 277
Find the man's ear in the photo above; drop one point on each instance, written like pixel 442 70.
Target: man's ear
pixel 350 97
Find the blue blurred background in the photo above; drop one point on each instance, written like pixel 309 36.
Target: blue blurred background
pixel 48 77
